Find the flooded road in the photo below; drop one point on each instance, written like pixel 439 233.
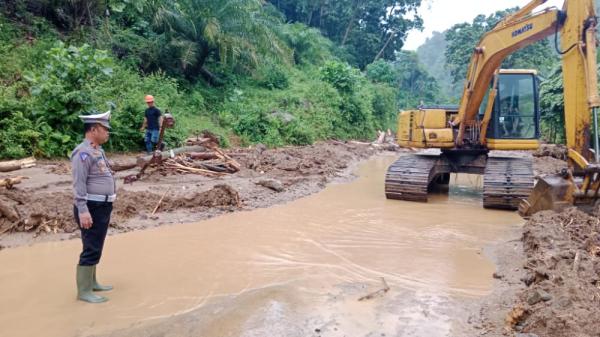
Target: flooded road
pixel 295 270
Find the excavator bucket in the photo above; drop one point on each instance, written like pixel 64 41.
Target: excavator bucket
pixel 553 192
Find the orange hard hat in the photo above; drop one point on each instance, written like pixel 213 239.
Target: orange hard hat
pixel 149 98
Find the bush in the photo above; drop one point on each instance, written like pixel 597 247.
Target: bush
pixel 308 44
pixel 273 77
pixel 341 75
pixel 62 91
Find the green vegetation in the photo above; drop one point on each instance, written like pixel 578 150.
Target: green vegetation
pixel 248 70
pixel 276 72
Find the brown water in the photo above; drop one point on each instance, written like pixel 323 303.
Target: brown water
pixel 304 264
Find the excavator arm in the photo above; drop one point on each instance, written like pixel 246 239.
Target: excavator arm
pixel 464 143
pixel 576 24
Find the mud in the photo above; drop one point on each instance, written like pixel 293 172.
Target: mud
pixel 38 214
pixel 546 283
pixel 548 278
pixel 562 275
pixel 557 151
pixel 40 209
pixel 299 269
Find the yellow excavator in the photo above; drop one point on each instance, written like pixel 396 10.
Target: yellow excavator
pixel 499 110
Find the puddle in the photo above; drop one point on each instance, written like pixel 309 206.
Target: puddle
pixel 286 270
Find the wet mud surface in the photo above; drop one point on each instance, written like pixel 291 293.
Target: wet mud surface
pixel 299 269
pixel 40 209
pixel 544 280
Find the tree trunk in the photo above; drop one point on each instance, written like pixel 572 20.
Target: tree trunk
pixel 197 68
pixel 14 165
pixel 321 10
pixel 123 165
pixel 203 155
pixel 384 46
pixel 145 160
pixel 349 26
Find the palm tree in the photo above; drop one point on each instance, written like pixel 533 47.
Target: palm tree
pixel 237 32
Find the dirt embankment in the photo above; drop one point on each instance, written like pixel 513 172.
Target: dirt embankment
pixel 549 276
pixel 562 275
pixel 40 208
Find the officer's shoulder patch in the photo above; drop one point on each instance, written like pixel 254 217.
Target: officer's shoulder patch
pixel 83 155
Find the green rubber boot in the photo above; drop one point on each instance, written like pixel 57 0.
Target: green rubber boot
pixel 97 286
pixel 85 280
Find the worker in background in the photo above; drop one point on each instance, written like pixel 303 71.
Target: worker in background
pixel 94 189
pixel 152 123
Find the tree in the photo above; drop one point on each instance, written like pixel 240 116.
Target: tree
pixel 463 37
pixel 365 30
pixel 412 82
pixel 552 106
pixel 232 31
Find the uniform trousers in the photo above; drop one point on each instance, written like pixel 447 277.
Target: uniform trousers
pixel 93 237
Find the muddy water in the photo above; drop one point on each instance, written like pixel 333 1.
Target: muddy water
pixel 294 269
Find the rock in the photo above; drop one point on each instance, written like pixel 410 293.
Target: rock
pixel 498 276
pixel 538 296
pixel 260 148
pixel 273 184
pixel 564 302
pixel 285 117
pixel 526 335
pixel 528 278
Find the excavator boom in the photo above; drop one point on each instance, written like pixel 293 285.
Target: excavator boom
pixel 465 135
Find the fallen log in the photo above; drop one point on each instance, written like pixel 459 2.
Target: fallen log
pixel 235 166
pixel 9 182
pixel 146 160
pixel 179 167
pixel 380 137
pixel 208 166
pixel 14 165
pixel 203 155
pixel 123 165
pixel 199 141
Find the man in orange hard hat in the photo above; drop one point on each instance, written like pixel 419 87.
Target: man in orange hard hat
pixel 152 123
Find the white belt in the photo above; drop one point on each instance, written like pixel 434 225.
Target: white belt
pixel 100 197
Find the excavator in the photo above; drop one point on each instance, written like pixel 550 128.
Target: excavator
pixel 499 110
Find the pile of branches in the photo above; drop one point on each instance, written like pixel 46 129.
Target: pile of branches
pixel 213 163
pixel 201 155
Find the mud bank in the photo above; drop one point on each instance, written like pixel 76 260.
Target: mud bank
pixel 548 277
pixel 40 209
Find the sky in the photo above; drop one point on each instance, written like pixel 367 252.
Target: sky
pixel 439 15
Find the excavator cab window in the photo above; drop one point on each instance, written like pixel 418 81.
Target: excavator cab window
pixel 516 111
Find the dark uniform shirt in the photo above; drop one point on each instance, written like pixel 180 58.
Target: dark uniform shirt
pixel 153 115
pixel 91 174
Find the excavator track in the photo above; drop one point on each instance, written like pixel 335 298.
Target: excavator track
pixel 506 181
pixel 408 177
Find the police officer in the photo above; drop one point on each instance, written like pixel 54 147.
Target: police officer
pixel 94 190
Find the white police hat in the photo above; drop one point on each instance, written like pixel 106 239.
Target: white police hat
pixel 102 119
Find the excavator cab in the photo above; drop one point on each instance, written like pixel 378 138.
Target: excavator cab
pixel 515 116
